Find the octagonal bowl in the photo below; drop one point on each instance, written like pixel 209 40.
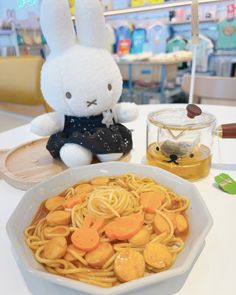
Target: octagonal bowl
pixel 200 222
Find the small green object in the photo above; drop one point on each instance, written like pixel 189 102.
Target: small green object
pixel 226 183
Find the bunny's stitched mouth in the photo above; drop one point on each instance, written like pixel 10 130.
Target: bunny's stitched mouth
pixel 90 103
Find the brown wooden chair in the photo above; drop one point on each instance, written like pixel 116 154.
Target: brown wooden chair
pixel 20 81
pixel 212 90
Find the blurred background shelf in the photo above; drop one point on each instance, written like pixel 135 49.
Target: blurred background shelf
pixel 6 32
pixel 189 22
pixel 140 9
pixel 11 37
pixel 147 8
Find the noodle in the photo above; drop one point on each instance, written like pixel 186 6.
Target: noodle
pixel 171 227
pixel 106 200
pixel 111 202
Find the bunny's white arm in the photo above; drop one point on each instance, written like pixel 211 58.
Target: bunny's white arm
pixel 125 112
pixel 48 124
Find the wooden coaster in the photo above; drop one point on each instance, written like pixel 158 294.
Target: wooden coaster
pixel 2 156
pixel 31 163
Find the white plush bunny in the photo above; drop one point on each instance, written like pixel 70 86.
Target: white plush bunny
pixel 82 83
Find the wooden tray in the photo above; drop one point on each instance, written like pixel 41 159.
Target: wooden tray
pixel 30 163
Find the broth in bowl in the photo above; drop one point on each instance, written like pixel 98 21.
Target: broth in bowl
pixel 109 230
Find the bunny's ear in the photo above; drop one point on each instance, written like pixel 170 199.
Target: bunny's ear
pixel 57 25
pixel 90 23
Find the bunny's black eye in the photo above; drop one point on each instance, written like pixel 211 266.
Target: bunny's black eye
pixel 68 95
pixel 109 87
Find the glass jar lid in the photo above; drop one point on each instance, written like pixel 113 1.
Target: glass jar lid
pixel 177 119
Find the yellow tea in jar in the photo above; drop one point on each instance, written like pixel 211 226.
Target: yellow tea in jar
pixel 194 166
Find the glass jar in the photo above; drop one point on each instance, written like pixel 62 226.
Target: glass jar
pixel 180 144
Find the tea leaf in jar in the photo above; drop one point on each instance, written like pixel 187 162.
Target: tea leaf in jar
pixel 178 149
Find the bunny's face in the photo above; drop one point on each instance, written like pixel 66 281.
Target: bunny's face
pixel 82 82
pixel 80 78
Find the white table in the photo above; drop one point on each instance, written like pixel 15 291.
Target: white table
pixel 214 271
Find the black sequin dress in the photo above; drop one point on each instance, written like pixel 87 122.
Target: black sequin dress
pixel 93 135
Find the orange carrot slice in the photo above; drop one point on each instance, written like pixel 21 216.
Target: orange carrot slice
pixel 98 224
pixel 151 201
pixel 85 239
pixel 88 221
pixel 124 228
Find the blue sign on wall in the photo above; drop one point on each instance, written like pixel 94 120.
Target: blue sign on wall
pixel 26 3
